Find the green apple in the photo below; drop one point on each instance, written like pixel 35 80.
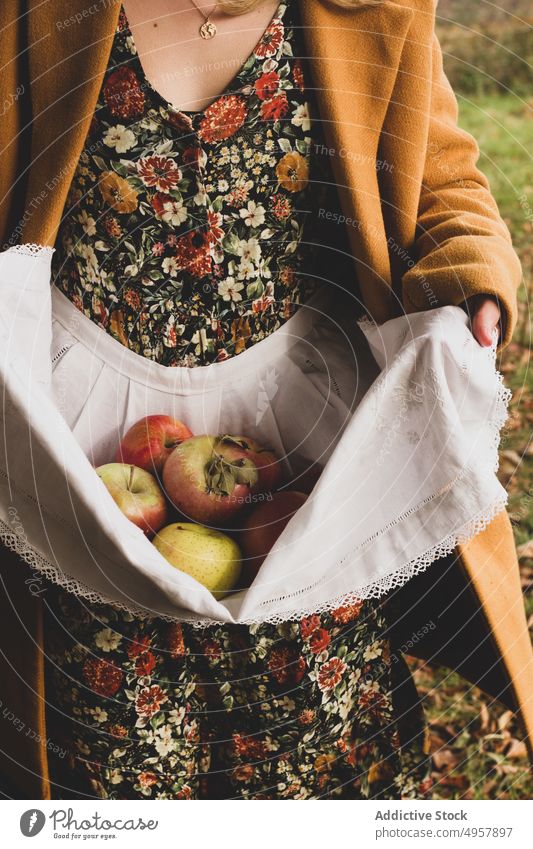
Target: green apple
pixel 207 555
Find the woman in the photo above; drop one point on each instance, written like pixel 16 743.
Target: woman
pixel 149 710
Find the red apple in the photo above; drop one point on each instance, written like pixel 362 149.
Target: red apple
pixel 137 493
pixel 307 479
pixel 150 441
pixel 268 465
pixel 209 479
pixel 263 527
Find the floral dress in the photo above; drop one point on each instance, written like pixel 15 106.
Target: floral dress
pixel 183 234
pixel 189 237
pixel 313 709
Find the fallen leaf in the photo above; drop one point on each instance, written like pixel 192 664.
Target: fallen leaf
pixel 484 717
pixel 525 551
pixel 513 457
pixel 445 759
pixel 507 769
pixel 505 719
pixel 517 749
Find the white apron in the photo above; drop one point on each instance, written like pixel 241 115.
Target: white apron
pixel 403 419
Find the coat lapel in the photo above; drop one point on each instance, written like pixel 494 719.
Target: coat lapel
pixel 355 56
pixel 67 62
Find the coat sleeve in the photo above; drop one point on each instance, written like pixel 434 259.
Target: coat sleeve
pixel 14 123
pixel 463 247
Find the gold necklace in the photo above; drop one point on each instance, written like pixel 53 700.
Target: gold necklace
pixel 208 29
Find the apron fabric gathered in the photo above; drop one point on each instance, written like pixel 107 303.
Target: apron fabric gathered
pixel 388 500
pixel 192 280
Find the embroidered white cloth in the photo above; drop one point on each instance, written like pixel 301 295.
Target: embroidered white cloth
pixel 403 419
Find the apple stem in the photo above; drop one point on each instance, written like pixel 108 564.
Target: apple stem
pixel 130 482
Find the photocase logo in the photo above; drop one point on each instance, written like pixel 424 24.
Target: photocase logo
pixel 32 822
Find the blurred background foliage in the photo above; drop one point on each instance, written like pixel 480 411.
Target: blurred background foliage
pixel 489 45
pixel 488 50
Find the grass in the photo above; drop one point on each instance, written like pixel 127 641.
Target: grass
pixel 476 745
pixel 502 126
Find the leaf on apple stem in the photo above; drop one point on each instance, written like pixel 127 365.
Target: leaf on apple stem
pixel 222 476
pixel 219 476
pixel 242 443
pixel 173 443
pixel 246 473
pixel 232 440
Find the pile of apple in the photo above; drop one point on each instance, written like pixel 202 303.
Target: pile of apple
pixel 223 491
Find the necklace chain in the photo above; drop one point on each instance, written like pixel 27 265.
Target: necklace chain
pixel 205 17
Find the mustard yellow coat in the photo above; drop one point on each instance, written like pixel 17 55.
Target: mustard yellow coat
pixel 424 230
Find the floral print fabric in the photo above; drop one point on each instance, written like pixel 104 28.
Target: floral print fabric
pixel 184 231
pixel 302 710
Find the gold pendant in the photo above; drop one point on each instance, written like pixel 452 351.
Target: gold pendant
pixel 208 29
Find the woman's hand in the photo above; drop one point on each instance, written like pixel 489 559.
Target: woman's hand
pixel 485 317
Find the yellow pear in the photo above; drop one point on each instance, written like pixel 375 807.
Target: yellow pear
pixel 207 555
